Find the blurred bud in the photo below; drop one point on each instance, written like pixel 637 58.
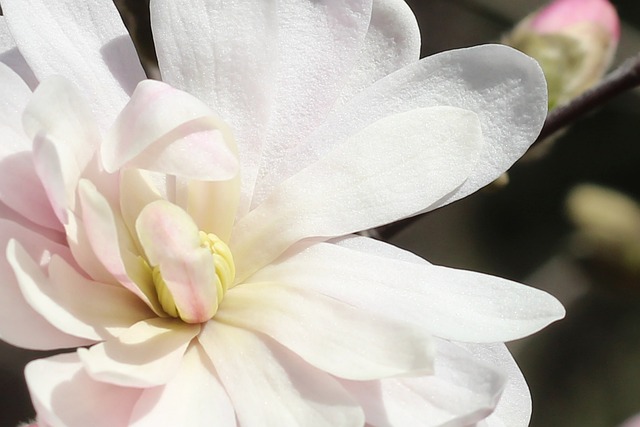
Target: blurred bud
pixel 608 225
pixel 573 40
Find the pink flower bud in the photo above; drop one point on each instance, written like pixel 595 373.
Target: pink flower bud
pixel 573 40
pixel 561 15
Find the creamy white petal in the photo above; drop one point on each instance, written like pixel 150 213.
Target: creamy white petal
pixel 319 43
pixel 228 59
pixel 449 303
pixel 20 324
pixel 462 392
pixel 504 87
pixel 65 396
pixel 330 335
pixel 390 170
pixel 147 354
pixel 283 389
pixel 392 42
pixel 11 56
pixel 15 97
pixel 86 43
pixel 514 407
pixel 194 397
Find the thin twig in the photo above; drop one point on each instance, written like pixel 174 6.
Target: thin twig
pixel 623 78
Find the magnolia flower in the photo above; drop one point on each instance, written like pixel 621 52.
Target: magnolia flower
pixel 193 237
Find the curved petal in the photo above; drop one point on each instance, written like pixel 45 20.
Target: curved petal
pixel 285 391
pixel 114 246
pixel 171 241
pixel 147 354
pixel 330 335
pixel 514 407
pixel 452 304
pixel 65 138
pixel 89 45
pixel 390 170
pixel 73 304
pixel 11 56
pixel 194 397
pixel 227 59
pixel 504 87
pixel 462 392
pixel 392 42
pixel 166 130
pixel 64 395
pixel 20 324
pixel 319 43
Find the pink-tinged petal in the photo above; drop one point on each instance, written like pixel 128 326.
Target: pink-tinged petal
pixel 87 44
pixel 171 241
pixel 166 130
pixel 73 304
pixel 147 354
pixel 22 190
pixel 11 56
pixel 462 392
pixel 65 139
pixel 330 335
pixel 64 395
pixel 505 88
pixel 284 390
pixel 319 43
pixel 391 170
pixel 449 303
pixel 114 246
pixel 20 324
pixel 228 59
pixel 194 397
pixel 514 407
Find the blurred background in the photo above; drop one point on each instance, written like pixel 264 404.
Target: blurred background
pixel 567 222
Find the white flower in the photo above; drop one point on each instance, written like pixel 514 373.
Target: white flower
pixel 201 298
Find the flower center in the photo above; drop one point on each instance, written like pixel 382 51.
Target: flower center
pixel 225 272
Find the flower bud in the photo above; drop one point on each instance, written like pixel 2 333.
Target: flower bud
pixel 573 40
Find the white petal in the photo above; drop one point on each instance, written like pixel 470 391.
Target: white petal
pixel 462 392
pixel 65 138
pixel 227 59
pixel 330 335
pixel 166 130
pixel 392 42
pixel 391 170
pixel 11 56
pixel 145 355
pixel 514 407
pixel 88 45
pixel 194 397
pixel 65 396
pixel 453 304
pixel 15 97
pixel 319 43
pixel 504 87
pixel 20 325
pixel 283 389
